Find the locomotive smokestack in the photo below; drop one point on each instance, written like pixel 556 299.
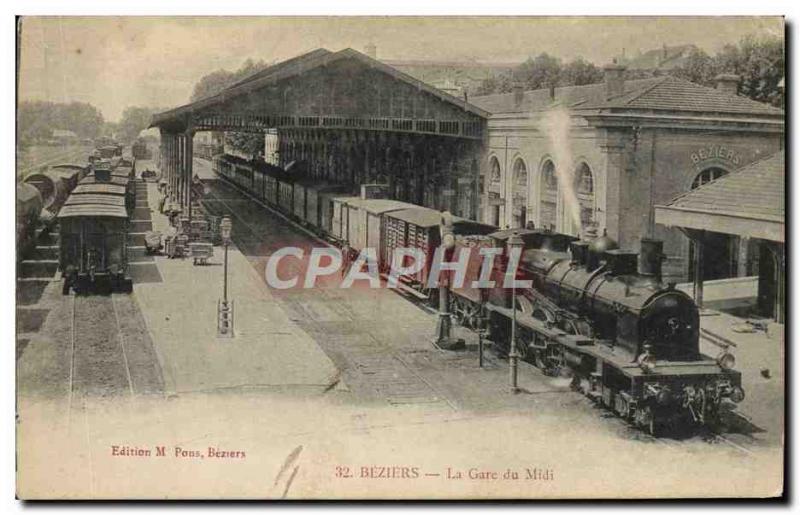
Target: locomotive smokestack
pixel 650 258
pixel 579 251
pixel 102 175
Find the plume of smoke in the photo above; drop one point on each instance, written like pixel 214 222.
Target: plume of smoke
pixel 556 125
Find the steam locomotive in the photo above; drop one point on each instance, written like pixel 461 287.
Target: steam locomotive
pixel 603 317
pixel 594 312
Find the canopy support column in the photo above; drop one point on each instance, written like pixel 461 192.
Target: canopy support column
pixel 188 165
pixel 698 240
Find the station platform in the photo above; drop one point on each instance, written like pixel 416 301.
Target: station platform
pixel 268 350
pixel 760 359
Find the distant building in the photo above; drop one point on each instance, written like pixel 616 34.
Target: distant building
pixel 660 59
pixel 64 136
pixel 454 77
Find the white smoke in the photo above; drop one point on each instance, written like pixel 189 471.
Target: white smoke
pixel 556 125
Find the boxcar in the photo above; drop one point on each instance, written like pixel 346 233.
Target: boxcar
pixel 339 222
pixel 418 227
pixel 259 176
pixel 365 225
pixel 298 210
pixel 271 190
pixel 285 195
pixel 318 210
pixel 93 244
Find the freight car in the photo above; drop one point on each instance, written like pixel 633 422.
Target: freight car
pixel 93 256
pixel 593 313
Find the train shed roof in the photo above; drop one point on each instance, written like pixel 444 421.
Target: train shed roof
pixel 261 84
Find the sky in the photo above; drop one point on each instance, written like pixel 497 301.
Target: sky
pixel 115 62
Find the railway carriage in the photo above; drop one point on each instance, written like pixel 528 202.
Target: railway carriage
pixel 93 230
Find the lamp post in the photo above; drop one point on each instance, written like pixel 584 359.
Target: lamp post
pixel 514 244
pixel 444 340
pixel 224 309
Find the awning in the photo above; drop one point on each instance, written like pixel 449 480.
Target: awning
pixel 749 203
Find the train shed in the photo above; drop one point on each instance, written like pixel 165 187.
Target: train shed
pixel 349 119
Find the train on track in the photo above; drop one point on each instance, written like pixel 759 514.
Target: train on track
pixel 39 198
pixel 595 313
pixel 93 231
pixel 89 206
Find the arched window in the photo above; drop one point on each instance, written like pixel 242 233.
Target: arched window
pixel 708 175
pixel 584 180
pixel 520 175
pixel 584 188
pixel 520 193
pixel 494 167
pixel 548 201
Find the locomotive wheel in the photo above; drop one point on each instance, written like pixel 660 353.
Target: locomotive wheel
pixel 466 313
pixel 538 360
pixel 457 308
pixel 524 344
pixel 646 419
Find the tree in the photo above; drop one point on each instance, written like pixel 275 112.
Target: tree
pixel 579 72
pixel 541 72
pixel 211 84
pixel 37 119
pixel 699 68
pixel 214 82
pixel 134 120
pixel 759 61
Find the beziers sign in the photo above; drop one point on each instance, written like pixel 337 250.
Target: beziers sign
pixel 716 152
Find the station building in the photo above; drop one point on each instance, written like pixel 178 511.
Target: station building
pixel 602 156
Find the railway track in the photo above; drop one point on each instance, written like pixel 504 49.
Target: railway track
pixel 99 364
pixel 49 157
pixel 371 364
pixel 710 437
